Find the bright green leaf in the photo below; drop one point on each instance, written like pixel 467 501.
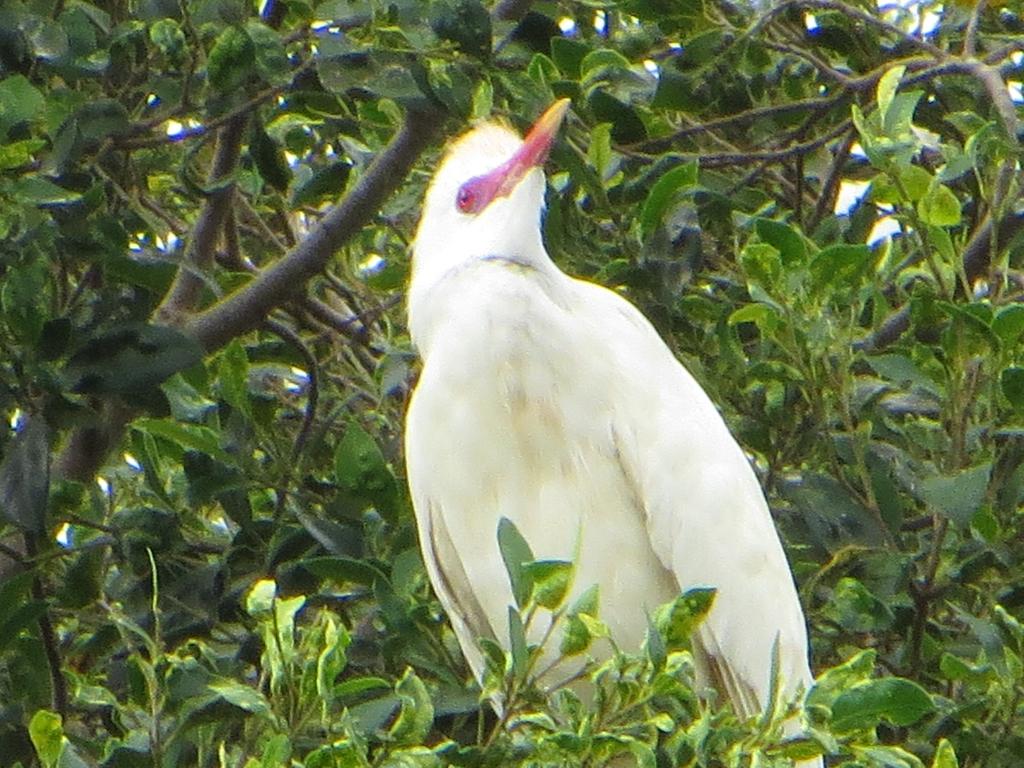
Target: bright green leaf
pixel 551 581
pixel 945 756
pixel 939 207
pixel 886 89
pixel 416 715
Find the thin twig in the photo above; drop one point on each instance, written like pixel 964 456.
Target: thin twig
pixel 971 33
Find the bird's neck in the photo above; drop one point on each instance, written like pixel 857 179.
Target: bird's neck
pixel 467 289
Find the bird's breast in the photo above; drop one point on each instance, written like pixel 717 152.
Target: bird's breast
pixel 516 405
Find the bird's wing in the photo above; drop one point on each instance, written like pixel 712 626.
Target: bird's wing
pixel 705 511
pixel 440 555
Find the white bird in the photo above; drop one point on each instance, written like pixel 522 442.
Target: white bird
pixel 553 402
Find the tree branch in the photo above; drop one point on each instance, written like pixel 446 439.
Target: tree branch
pixel 510 10
pixel 246 309
pixel 187 288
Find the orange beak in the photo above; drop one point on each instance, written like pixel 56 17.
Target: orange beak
pixel 480 191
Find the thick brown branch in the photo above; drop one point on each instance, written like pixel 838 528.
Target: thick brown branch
pixel 187 288
pixel 247 308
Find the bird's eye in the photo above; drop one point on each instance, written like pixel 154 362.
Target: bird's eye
pixel 465 200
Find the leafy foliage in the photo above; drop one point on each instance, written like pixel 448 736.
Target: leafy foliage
pixel 204 218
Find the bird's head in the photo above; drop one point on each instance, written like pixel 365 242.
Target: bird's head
pixel 486 197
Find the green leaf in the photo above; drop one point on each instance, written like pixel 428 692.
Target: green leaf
pixel 839 265
pixel 344 570
pixel 899 701
pixel 763 316
pixel 945 756
pixel 914 182
pixel 269 158
pixel 677 620
pixel 627 126
pixel 416 715
pixel 47 733
pixel 21 618
pixel 663 193
pixel 575 637
pixel 599 152
pixel 957 496
pixel 241 696
pixel 1011 381
pixel 597 63
pixel 187 436
pixel 22 153
pixel 568 55
pixel 269 53
pixel 898 125
pixel 762 264
pixel 519 651
pixel 167 36
pixel 551 580
pixel 789 243
pixel 483 100
pixel 855 608
pixel 515 552
pixel 130 359
pixel 886 89
pixel 903 371
pixel 326 184
pixel 361 469
pixel 1008 324
pixel 233 375
pixel 232 60
pixel 23 296
pixel 332 660
pixel 277 752
pixel 939 207
pixel 833 681
pixel 20 102
pixel 465 23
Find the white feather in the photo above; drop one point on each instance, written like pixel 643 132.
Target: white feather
pixel 553 402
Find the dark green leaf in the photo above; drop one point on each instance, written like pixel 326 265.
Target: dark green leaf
pixel 678 620
pixel 899 701
pixel 344 570
pixel 627 127
pixel 1012 382
pixel 232 60
pixel 568 55
pixel 269 159
pixel 957 496
pixel 840 265
pixel 515 552
pixel 466 23
pixel 519 651
pixel 663 193
pixel 130 359
pixel 786 240
pixel 1008 323
pixel 233 374
pixel 20 101
pixel 326 182
pixel 269 54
